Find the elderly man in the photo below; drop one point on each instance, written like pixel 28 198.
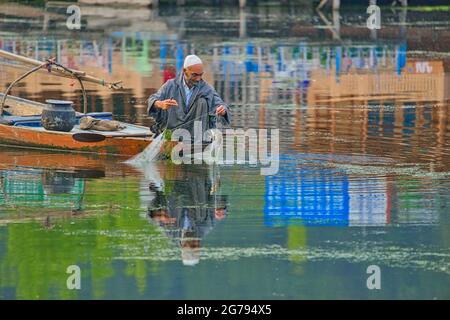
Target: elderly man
pixel 182 101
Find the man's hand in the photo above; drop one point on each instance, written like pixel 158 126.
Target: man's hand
pixel 221 110
pixel 166 104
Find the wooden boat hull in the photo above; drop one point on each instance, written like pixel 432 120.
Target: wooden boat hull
pixel 134 139
pixel 87 165
pixel 29 137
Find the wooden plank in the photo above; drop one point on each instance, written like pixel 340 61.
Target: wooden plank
pixel 40 138
pixel 154 3
pixel 16 106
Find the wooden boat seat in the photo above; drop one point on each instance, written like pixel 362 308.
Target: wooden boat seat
pixel 35 121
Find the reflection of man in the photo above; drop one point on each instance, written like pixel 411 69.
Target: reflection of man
pixel 189 211
pixel 162 217
pixel 182 101
pixel 219 213
pixel 190 249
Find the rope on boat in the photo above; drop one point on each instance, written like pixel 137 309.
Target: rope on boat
pixel 76 76
pixel 47 65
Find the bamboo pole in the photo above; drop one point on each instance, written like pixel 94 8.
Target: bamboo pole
pixel 60 71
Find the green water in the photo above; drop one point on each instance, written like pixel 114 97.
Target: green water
pixel 363 173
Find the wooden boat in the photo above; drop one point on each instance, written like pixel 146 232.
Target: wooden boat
pixel 38 184
pixel 12 158
pixel 20 119
pixel 21 126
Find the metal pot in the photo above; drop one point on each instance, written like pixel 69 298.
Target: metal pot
pixel 59 115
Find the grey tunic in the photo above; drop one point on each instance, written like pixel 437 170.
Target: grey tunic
pixel 202 107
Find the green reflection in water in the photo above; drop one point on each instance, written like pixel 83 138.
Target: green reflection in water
pixel 35 188
pixel 35 257
pixel 297 240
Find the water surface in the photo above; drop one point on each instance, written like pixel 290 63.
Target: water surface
pixel 364 159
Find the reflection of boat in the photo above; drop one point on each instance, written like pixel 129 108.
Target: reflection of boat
pixel 13 158
pixel 50 189
pixel 35 185
pixel 31 179
pixel 83 165
pixel 22 127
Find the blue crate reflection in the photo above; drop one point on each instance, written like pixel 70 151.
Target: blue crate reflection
pixel 308 195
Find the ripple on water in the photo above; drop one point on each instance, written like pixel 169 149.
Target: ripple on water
pixel 352 252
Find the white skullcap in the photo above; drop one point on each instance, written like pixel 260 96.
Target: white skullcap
pixel 190 262
pixel 190 256
pixel 191 60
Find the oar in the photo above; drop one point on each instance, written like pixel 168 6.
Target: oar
pixel 98 137
pixel 60 71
